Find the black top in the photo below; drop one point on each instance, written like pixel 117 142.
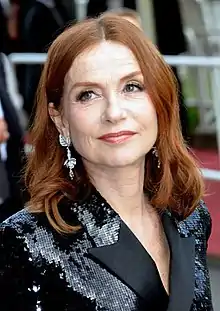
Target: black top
pixel 103 267
pixel 139 269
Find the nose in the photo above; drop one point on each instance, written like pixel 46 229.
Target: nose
pixel 114 110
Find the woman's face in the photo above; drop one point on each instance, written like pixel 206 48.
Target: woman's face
pixel 106 108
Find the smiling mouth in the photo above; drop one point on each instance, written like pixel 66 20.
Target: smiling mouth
pixel 117 138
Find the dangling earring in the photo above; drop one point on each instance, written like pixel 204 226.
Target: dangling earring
pixel 70 162
pixel 155 153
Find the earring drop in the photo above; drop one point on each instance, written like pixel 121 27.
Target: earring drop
pixel 155 153
pixel 70 162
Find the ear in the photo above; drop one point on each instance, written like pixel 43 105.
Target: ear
pixel 59 120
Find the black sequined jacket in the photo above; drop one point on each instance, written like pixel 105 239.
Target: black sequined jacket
pixel 103 266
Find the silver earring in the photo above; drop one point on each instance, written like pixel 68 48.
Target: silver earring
pixel 70 162
pixel 155 153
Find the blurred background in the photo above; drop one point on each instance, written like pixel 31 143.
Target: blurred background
pixel 187 33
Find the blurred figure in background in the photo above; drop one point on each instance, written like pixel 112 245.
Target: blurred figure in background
pixel 4 37
pixel 11 143
pixel 171 41
pixel 129 14
pixel 16 11
pixel 44 21
pixel 96 7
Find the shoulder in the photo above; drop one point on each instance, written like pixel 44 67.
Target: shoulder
pixel 13 231
pixel 199 223
pixel 22 229
pixel 14 253
pixel 20 271
pixel 26 230
pixel 19 221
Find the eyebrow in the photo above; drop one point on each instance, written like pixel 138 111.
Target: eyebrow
pixel 95 84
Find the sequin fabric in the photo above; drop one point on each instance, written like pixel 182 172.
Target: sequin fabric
pixel 199 224
pixel 41 270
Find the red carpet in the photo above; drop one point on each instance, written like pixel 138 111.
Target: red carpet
pixel 209 159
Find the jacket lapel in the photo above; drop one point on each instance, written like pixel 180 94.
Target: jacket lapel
pixel 116 248
pixel 182 266
pixel 128 260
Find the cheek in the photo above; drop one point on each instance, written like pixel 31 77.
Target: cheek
pixel 146 114
pixel 152 115
pixel 81 121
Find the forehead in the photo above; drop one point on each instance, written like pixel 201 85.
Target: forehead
pixel 107 59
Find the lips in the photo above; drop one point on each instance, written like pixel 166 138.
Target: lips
pixel 117 137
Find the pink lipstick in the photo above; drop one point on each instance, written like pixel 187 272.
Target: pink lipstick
pixel 117 138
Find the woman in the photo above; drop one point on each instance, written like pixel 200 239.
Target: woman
pixel 115 220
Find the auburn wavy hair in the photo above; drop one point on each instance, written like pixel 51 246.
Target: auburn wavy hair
pixel 177 185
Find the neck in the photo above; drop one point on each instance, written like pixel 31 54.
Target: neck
pixel 121 187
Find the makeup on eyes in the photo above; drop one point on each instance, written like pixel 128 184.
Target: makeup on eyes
pixel 86 95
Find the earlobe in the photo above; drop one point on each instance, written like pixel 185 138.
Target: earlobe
pixel 53 112
pixel 57 119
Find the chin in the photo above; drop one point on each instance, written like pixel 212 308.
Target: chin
pixel 124 161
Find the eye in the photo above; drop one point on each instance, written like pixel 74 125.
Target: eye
pixel 86 96
pixel 133 87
